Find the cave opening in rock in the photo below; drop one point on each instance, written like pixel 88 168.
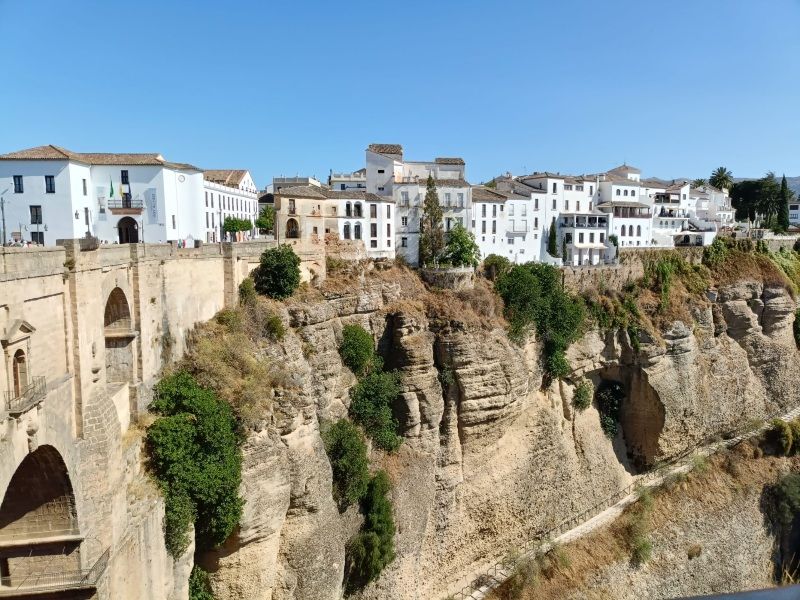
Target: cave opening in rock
pixel 625 398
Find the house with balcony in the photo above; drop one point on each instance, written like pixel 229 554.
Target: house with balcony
pixel 585 239
pixel 489 222
pixel 52 193
pixel 340 182
pixel 526 231
pixel 229 193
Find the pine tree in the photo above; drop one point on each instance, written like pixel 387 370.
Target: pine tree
pixel 783 208
pixel 431 231
pixel 552 242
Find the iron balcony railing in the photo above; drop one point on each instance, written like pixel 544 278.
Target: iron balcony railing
pixel 54 582
pixel 125 203
pixel 35 391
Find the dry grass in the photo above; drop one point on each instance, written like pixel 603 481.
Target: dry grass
pixel 715 486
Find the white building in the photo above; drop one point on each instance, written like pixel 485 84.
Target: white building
pixel 357 180
pixel 621 195
pixel 50 193
pixel 489 222
pixel 229 193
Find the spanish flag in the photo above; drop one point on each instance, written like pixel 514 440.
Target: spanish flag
pixel 111 193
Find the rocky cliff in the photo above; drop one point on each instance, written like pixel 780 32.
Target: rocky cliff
pixel 489 458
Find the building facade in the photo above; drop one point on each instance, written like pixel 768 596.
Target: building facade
pixel 229 193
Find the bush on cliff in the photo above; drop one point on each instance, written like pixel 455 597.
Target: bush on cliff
pixel 199 586
pixel 372 549
pixel 348 456
pixel 357 348
pixel 787 499
pixel 278 273
pixel 371 407
pixel 194 453
pixel 494 266
pixel 582 398
pixel 533 297
pixel 781 437
pixel 609 397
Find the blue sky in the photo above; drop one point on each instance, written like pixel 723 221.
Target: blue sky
pixel 674 87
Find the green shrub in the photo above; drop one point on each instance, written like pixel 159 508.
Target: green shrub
pixel 274 328
pixel 638 529
pixel 194 453
pixel 781 436
pixel 533 297
pixel 494 266
pixel 348 456
pixel 199 586
pixel 247 292
pixel 230 318
pixel 609 397
pixel 715 254
pixel 278 273
pixel 357 348
pixel 795 428
pixel 461 250
pixel 371 402
pixel 373 548
pixel 614 240
pixel 582 398
pixel 234 224
pixel 787 497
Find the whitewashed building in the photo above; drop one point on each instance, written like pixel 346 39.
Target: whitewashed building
pixel 620 195
pixel 50 193
pixel 489 222
pixel 357 180
pixel 229 193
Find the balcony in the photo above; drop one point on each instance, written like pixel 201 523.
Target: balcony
pixel 125 205
pixel 34 584
pixel 30 395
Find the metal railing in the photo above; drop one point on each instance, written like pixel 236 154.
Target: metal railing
pixel 35 391
pixel 125 203
pixel 541 542
pixel 65 580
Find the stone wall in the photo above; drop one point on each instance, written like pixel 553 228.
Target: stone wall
pixel 457 278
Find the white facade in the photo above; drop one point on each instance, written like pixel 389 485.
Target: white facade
pixel 229 193
pixel 340 182
pixel 489 221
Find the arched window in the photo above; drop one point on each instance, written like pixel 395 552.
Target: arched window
pixel 347 230
pixel 639 230
pixel 292 229
pixel 357 208
pixel 357 229
pixel 348 210
pixel 618 191
pixel 20 372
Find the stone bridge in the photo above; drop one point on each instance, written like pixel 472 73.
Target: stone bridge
pixel 84 335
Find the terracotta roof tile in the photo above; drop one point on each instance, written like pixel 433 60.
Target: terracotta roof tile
pixel 386 149
pixel 51 152
pixel 443 160
pixel 229 177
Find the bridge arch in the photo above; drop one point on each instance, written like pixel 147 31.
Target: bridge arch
pixel 119 338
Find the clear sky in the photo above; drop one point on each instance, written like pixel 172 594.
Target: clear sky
pixel 674 87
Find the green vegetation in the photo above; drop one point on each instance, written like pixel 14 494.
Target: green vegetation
pixel 582 398
pixel 278 274
pixel 698 183
pixel 552 240
pixel 199 586
pixel 661 274
pixel 373 548
pixel 789 263
pixel 614 240
pixel 494 266
pixel 371 407
pixel 247 292
pixel 785 196
pixel 266 218
pixel 274 328
pixel 787 499
pixel 461 249
pixel 233 224
pixel 431 237
pixel 610 396
pixel 533 296
pixel 721 178
pixel 715 254
pixel 638 529
pixel 194 453
pixel 347 452
pixel 357 349
pixel 781 436
pixel 764 200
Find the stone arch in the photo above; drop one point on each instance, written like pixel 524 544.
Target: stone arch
pixel 119 337
pixel 128 230
pixel 292 229
pixel 641 416
pixel 39 531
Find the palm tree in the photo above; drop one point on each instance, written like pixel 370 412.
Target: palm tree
pixel 698 183
pixel 721 178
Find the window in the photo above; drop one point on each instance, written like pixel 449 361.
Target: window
pixel 373 243
pixel 173 221
pixel 510 210
pixel 566 204
pixel 639 230
pixel 460 200
pixel 212 199
pixel 381 171
pixel 447 224
pixel 388 229
pixel 389 243
pixel 567 187
pixel 494 227
pixel 380 189
pixel 555 187
pixel 602 237
pixel 404 221
pixel 403 198
pixel 36 215
pixel 18 189
pixel 578 188
pixel 50 184
pixel 483 226
pixel 404 242
pixel 373 230
pixel 347 231
pixel 619 192
pixel 591 190
pixel 554 203
pixel 578 207
pixel 373 211
pixel 85 189
pixel 124 177
pixel 388 211
pixel 535 204
pixel 511 224
pixel 348 210
pixel 357 210
pixel 580 237
pixel 357 231
pixel 511 240
pixel 483 210
pixel 206 220
pixel 494 211
pixel 206 198
pixel 447 199
pixel 342 186
pixel 536 222
pixel 591 238
pixel 37 237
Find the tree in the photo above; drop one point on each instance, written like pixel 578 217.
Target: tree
pixel 698 183
pixel 357 348
pixel 431 238
pixel 769 199
pixel 785 196
pixel 494 266
pixel 347 453
pixel 278 274
pixel 233 224
pixel 371 403
pixel 744 198
pixel 552 242
pixel 721 178
pixel 266 218
pixel 461 249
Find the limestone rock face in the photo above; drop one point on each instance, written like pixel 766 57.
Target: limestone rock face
pixel 489 458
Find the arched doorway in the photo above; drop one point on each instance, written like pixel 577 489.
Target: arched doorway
pixel 39 532
pixel 128 230
pixel 20 372
pixel 292 229
pixel 119 337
